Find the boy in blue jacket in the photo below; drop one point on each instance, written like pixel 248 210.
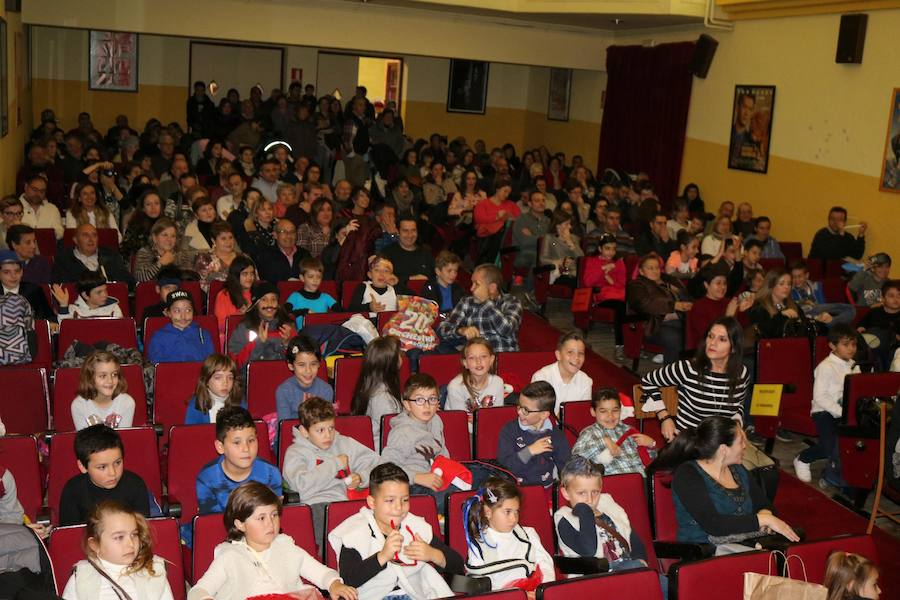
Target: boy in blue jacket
pixel 531 447
pixel 181 340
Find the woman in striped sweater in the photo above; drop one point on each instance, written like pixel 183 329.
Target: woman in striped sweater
pixel 714 382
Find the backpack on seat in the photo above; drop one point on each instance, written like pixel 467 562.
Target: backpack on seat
pixel 17 337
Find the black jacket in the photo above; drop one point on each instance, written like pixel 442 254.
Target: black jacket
pixel 273 265
pixel 67 268
pixel 433 292
pixel 38 301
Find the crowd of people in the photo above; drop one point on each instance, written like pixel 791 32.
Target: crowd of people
pixel 255 192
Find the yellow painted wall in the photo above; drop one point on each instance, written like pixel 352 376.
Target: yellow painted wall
pixel 828 131
pixel 13 143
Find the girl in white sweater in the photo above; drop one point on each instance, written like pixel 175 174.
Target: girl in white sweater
pixel 119 559
pixel 256 559
pixel 499 548
pixel 476 386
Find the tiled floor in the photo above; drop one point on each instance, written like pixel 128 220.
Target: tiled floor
pixel 600 339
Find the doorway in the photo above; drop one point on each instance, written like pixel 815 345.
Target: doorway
pixel 340 74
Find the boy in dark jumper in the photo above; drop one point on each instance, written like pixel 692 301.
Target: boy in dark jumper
pixel 101 460
pixel 530 446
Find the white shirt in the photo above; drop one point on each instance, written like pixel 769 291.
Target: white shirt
pixel 120 413
pixel 268 190
pixel 458 397
pixel 579 388
pixel 828 384
pixel 511 548
pixel 225 205
pixel 45 217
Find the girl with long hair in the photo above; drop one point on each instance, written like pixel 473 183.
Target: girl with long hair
pixel 377 390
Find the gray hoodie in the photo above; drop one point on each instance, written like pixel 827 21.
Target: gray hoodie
pixel 410 440
pixel 313 472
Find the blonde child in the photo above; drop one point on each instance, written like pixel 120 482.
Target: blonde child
pixel 510 555
pixel 618 447
pixel 119 560
pixel 476 386
pixel 851 577
pixel 257 559
pixel 217 388
pixel 101 393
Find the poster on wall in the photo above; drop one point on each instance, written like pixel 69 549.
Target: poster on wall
pixel 467 88
pixel 4 81
pixel 890 170
pixel 751 127
pixel 113 61
pixel 560 92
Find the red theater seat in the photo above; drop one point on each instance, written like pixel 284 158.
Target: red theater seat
pixel 179 383
pixel 91 331
pixel 640 584
pixel 20 455
pixel 486 426
pixel 65 389
pixel 26 410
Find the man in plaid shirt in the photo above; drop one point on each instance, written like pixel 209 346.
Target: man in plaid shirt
pixel 488 313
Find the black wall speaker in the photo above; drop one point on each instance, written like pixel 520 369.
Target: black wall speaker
pixel 851 39
pixel 703 55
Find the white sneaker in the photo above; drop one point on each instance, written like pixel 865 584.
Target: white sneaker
pixel 801 469
pixel 658 359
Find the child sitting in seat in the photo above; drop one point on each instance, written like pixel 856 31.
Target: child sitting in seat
pixel 851 577
pixel 682 263
pixel 530 446
pixel 167 280
pixel 321 464
pixel 609 441
pixel 443 288
pixel 386 552
pixel 181 340
pixel 810 297
pixel 606 274
pixel 93 299
pixel 881 325
pixel 380 292
pixel 119 560
pixel 217 388
pixel 476 386
pixel 101 460
pixel 510 555
pixel 593 524
pixel 266 329
pixel 257 559
pixel 866 284
pixel 303 357
pixel 377 390
pixel 102 393
pixel 565 375
pixel 309 299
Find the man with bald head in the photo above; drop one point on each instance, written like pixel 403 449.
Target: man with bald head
pixel 71 263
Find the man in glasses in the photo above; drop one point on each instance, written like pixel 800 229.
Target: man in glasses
pixel 37 211
pixel 282 261
pixel 530 446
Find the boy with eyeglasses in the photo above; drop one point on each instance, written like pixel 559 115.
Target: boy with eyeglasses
pixel 530 446
pixel 417 437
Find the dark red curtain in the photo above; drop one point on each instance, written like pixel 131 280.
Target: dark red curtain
pixel 648 93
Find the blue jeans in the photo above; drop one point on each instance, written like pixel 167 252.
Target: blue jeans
pixel 826 447
pixel 840 313
pixel 670 336
pixel 625 564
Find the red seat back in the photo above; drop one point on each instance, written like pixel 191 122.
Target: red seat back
pixel 65 551
pixel 209 532
pixel 771 263
pixel 46 242
pixel 788 361
pixel 171 400
pixel 816 267
pixel 90 331
pixel 792 251
pixel 106 238
pixel 382 319
pixel 231 323
pixel 511 594
pixel 43 356
pixel 516 368
pixel 815 554
pixel 358 427
pixel 140 458
pixel 629 492
pixel 145 295
pixel 191 447
pixel 453 521
pixel 534 511
pixel 19 454
pixel 346 372
pixel 26 410
pixel 416 285
pixel 208 322
pixel 338 512
pixel 575 416
pixel 721 578
pixel 456 433
pixel 329 318
pixel 665 525
pixel 65 388
pixel 833 289
pixel 868 384
pixel 486 424
pixel 263 378
pixel 443 367
pixel 347 289
pixel 215 287
pixel 821 350
pixel 640 584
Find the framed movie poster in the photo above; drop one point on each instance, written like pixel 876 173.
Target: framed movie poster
pixel 890 170
pixel 560 92
pixel 751 127
pixel 113 61
pixel 4 81
pixel 467 89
